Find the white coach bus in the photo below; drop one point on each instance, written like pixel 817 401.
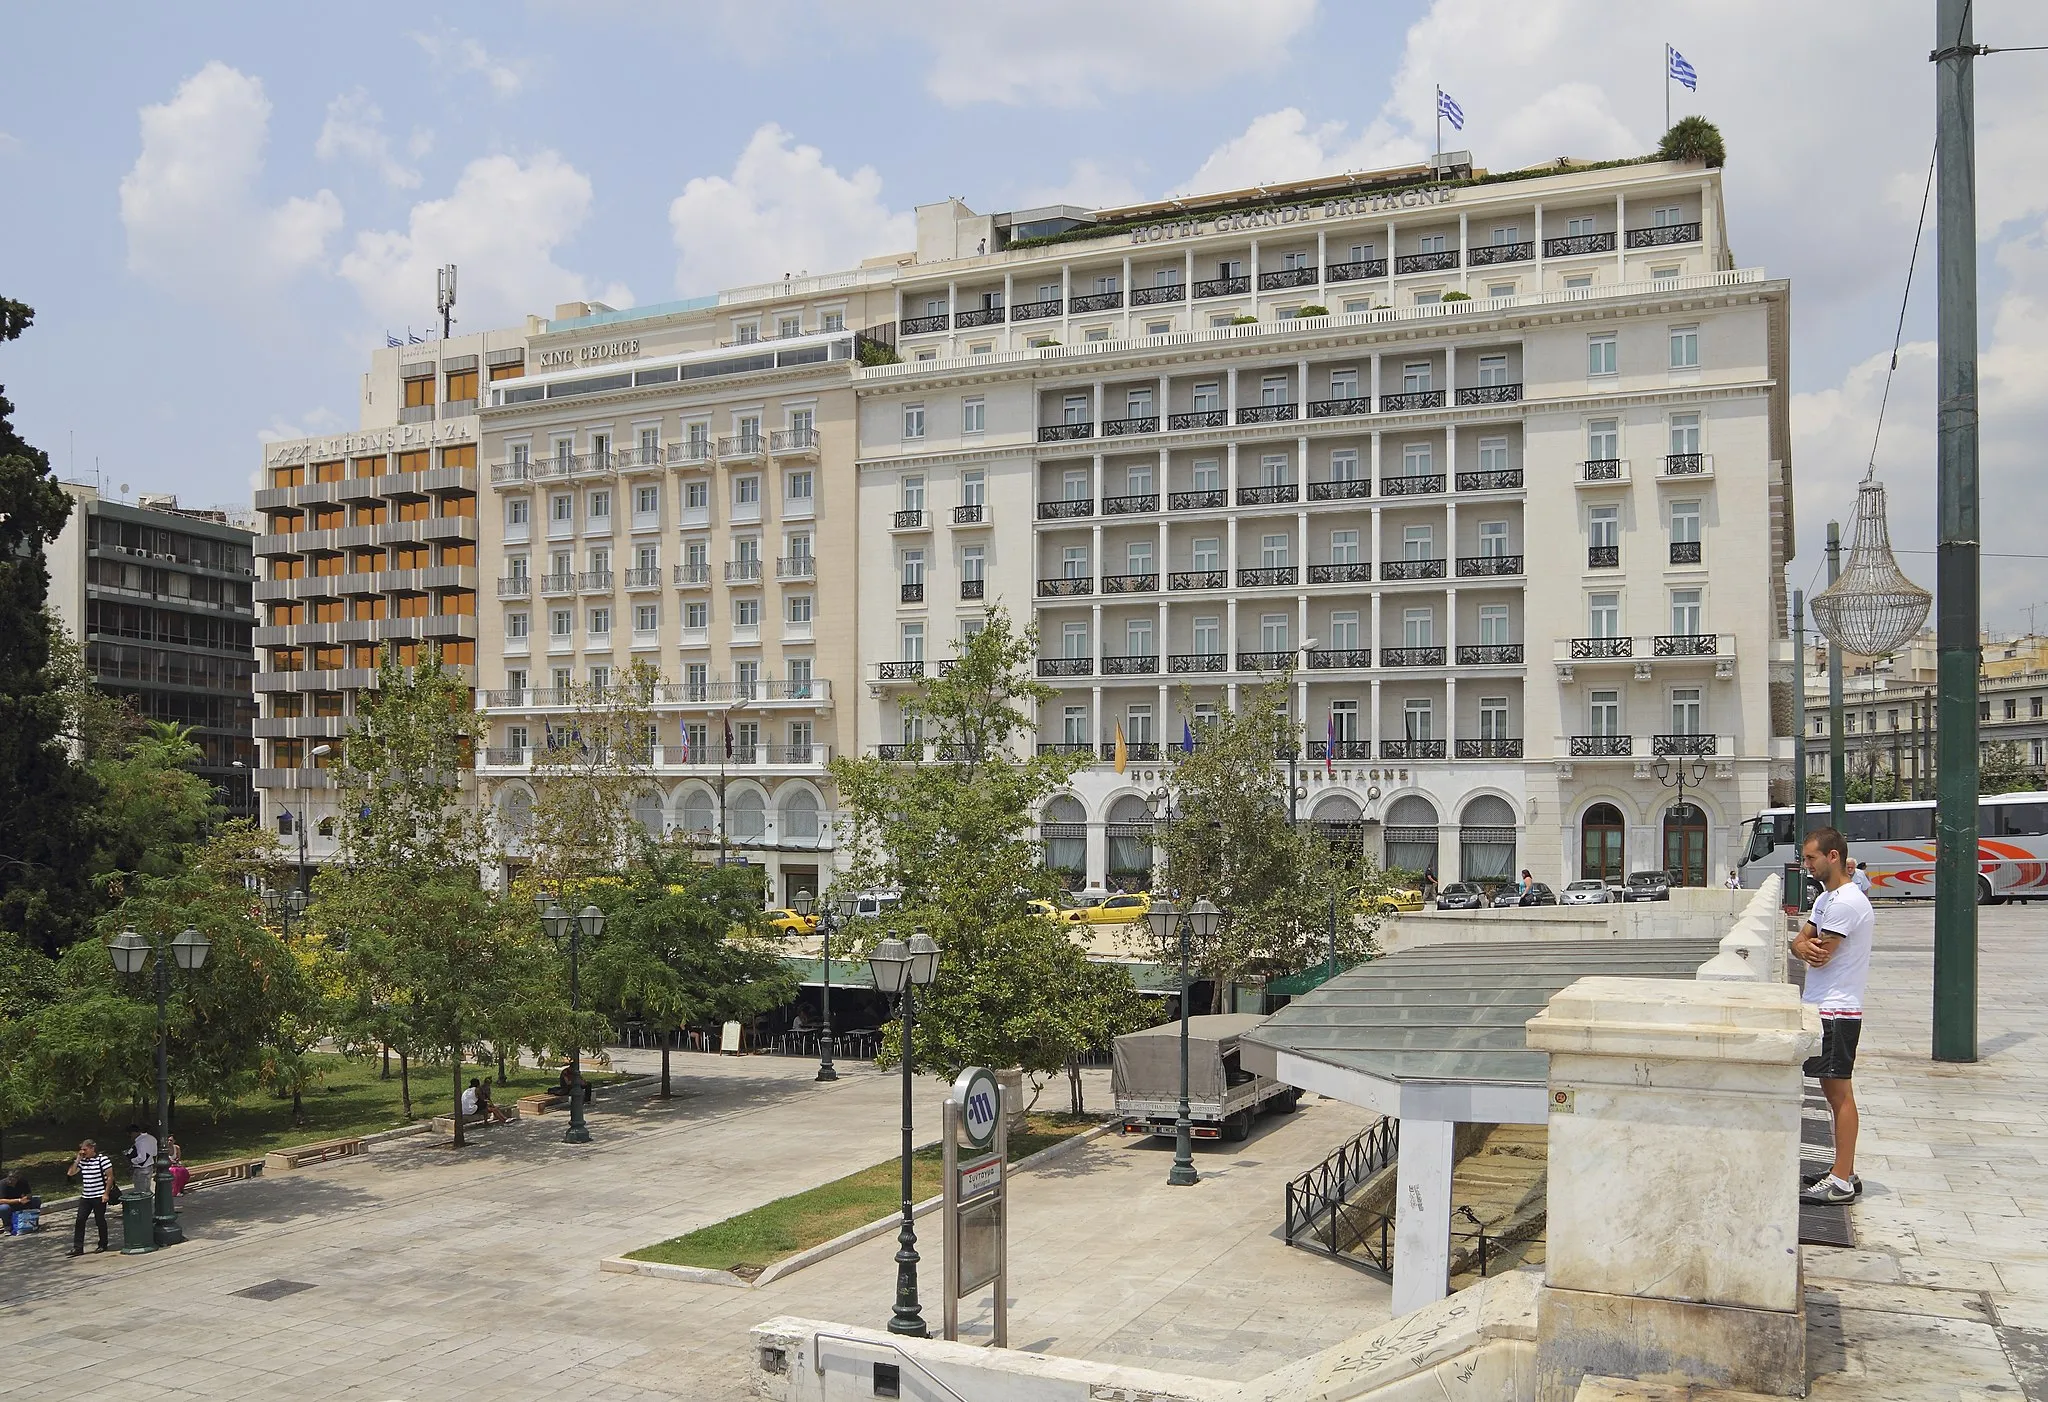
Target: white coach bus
pixel 1896 841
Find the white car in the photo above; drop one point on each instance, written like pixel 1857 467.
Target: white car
pixel 1584 893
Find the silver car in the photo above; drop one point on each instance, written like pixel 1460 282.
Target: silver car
pixel 1584 893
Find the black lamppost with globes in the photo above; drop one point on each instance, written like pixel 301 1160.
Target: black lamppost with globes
pixel 831 915
pixel 1201 920
pixel 131 953
pixel 284 906
pixel 560 924
pixel 1680 775
pixel 899 969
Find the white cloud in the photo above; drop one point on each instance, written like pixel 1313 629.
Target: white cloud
pixel 1089 184
pixel 194 217
pixel 466 55
pixel 502 226
pixel 354 130
pixel 782 210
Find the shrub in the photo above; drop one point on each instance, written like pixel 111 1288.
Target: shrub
pixel 1457 297
pixel 1242 320
pixel 1693 139
pixel 1311 310
pixel 876 353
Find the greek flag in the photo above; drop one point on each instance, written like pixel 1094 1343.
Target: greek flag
pixel 1681 70
pixel 1450 110
pixel 391 340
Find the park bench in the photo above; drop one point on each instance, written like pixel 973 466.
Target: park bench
pixel 445 1124
pixel 540 1104
pixel 299 1155
pixel 221 1171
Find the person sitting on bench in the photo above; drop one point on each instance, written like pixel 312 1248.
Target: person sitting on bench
pixel 476 1103
pixel 15 1196
pixel 565 1086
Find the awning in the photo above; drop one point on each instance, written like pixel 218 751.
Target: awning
pixel 846 973
pixel 1295 984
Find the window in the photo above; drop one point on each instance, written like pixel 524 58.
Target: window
pixel 1138 479
pixel 517 625
pixel 518 511
pixel 561 622
pixel 600 508
pixel 1138 637
pixel 1685 521
pixel 2012 709
pixel 1343 547
pixel 1138 404
pixel 973 562
pixel 1273 389
pixel 1363 252
pixel 1431 243
pixel 746 613
pixel 1106 283
pixel 1500 289
pixel 647 558
pixel 1344 465
pixel 1208 398
pixel 1097 333
pixel 1273 551
pixel 1685 433
pixel 1600 355
pixel 747 332
pixel 1493 370
pixel 1666 273
pixel 746 491
pixel 913 421
pixel 1506 233
pixel 1208 476
pixel 1273 632
pixel 646 501
pixel 1074 485
pixel 1493 718
pixel 697 614
pixel 1230 267
pixel 1273 470
pixel 973 415
pixel 419 393
pixel 1417 459
pixel 562 509
pixel 832 321
pixel 1603 525
pixel 1344 635
pixel 1415 377
pixel 913 567
pixel 1418 627
pixel 1208 554
pixel 1208 636
pixel 1577 228
pixel 1074 640
pixel 1493 539
pixel 1685 711
pixel 1603 616
pixel 1418 718
pixel 600 622
pixel 798 610
pixel 1603 440
pixel 1074 409
pixel 1344 384
pixel 789 325
pixel 1685 347
pixel 973 487
pixel 646 618
pixel 1664 216
pixel 1493 626
pixel 1138 557
pixel 1604 713
pixel 697 496
pixel 1418 542
pixel 797 487
pixel 1158 328
pixel 1685 612
pixel 913 493
pixel 1074 725
pixel 1074 562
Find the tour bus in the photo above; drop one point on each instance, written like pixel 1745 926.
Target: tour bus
pixel 1896 841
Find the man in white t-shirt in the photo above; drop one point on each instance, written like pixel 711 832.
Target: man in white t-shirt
pixel 1834 944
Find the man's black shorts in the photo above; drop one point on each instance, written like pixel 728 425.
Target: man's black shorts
pixel 1837 1059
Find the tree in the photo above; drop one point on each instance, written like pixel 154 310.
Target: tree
pixel 1693 139
pixel 2002 768
pixel 155 809
pixel 45 796
pixel 1228 839
pixel 596 762
pixel 954 834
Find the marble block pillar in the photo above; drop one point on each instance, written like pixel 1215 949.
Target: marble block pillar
pixel 1673 1233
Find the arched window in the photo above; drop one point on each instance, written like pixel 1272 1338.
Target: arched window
pixel 800 815
pixel 1685 844
pixel 1063 831
pixel 746 817
pixel 1601 844
pixel 1411 836
pixel 647 813
pixel 515 811
pixel 700 814
pixel 1486 840
pixel 1130 844
pixel 326 828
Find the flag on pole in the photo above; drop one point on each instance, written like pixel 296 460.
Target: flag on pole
pixel 686 744
pixel 1449 110
pixel 1330 746
pixel 1677 67
pixel 728 738
pixel 1187 738
pixel 1123 754
pixel 391 340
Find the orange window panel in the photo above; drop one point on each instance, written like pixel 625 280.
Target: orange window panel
pixel 328 518
pixel 458 554
pixel 409 606
pixel 326 703
pixel 331 758
pixel 407 651
pixel 290 567
pixel 419 392
pixel 286 659
pixel 514 371
pixel 368 561
pixel 368 467
pixel 293 476
pixel 370 609
pixel 326 566
pixel 370 514
pixel 462 385
pixel 287 754
pixel 287 705
pixel 414 510
pixel 327 657
pixel 327 471
pixel 462 507
pixel 366 654
pixel 285 615
pixel 458 603
pixel 460 652
pixel 285 522
pixel 461 455
pixel 409 557
pixel 327 611
pixel 415 462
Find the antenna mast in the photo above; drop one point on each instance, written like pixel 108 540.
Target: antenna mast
pixel 444 296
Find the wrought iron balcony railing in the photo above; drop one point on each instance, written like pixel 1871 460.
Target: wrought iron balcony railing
pixel 1489 654
pixel 1065 433
pixel 1603 557
pixel 909 520
pixel 972 588
pixel 1350 490
pixel 1287 277
pixel 1159 295
pixel 981 316
pixel 1601 746
pixel 1036 311
pixel 1065 587
pixel 1600 470
pixel 693 574
pixel 1499 747
pixel 1327 658
pixel 1411 399
pixel 1340 408
pixel 899 671
pixel 1066 666
pixel 1595 649
pixel 1685 552
pixel 1196 579
pixel 1482 566
pixel 1416 484
pixel 1095 302
pixel 793 440
pixel 913 593
pixel 1493 479
pixel 1659 235
pixel 742 571
pixel 1359 268
pixel 1200 418
pixel 1684 464
pixel 1411 657
pixel 973 514
pixel 1223 286
pixel 1573 244
pixel 1412 569
pixel 1265 661
pixel 1350 572
pixel 1340 749
pixel 796 567
pixel 1490 394
pixel 1412 749
pixel 901 753
pixel 920 325
pixel 1687 744
pixel 1130 505
pixel 644 577
pixel 1066 747
pixel 1427 262
pixel 1067 509
pixel 1182 663
pixel 1493 254
pixel 1137 664
pixel 1266 576
pixel 1139 423
pixel 1266 414
pixel 1194 501
pixel 1130 583
pixel 1270 494
pixel 1685 645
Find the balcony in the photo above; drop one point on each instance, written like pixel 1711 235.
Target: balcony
pixel 1494 254
pixel 1066 433
pixel 741 448
pixel 1136 751
pixel 1490 655
pixel 558 584
pixel 1411 399
pixel 1601 746
pixel 1412 569
pixel 1068 509
pixel 1267 576
pixel 1184 663
pixel 1441 261
pixel 1417 484
pixel 923 325
pixel 1195 501
pixel 515 471
pixel 1353 489
pixel 1287 277
pixel 900 671
pixel 637 459
pixel 973 588
pixel 980 316
pixel 1484 566
pixel 1066 747
pixel 1599 649
pixel 1490 394
pixel 1340 749
pixel 1130 583
pixel 517 586
pixel 1223 287
pixel 1196 579
pixel 1271 494
pixel 645 577
pixel 1141 423
pixel 910 753
pixel 694 452
pixel 1065 587
pixel 1095 302
pixel 1603 557
pixel 1663 235
pixel 1036 311
pixel 1130 505
pixel 794 443
pixel 796 567
pixel 1265 661
pixel 973 514
pixel 1603 470
pixel 1412 749
pixel 1685 645
pixel 1499 747
pixel 1685 465
pixel 1685 552
pixel 1159 295
pixel 1200 418
pixel 1325 659
pixel 692 576
pixel 1137 664
pixel 594 582
pixel 1571 245
pixel 911 593
pixel 1266 414
pixel 1687 744
pixel 1353 271
pixel 1411 657
pixel 1350 572
pixel 742 571
pixel 1066 666
pixel 910 520
pixel 1340 408
pixel 1497 479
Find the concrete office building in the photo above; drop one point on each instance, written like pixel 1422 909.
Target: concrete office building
pixel 673 486
pixel 159 598
pixel 1526 547
pixel 370 540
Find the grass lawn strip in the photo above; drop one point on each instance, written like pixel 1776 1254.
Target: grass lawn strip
pixel 761 1236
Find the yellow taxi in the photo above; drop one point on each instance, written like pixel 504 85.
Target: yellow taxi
pixel 1118 908
pixel 785 921
pixel 1403 900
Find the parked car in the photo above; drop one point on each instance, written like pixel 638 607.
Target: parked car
pixel 1405 900
pixel 788 922
pixel 1649 886
pixel 1506 895
pixel 1460 895
pixel 1122 908
pixel 1222 1097
pixel 870 904
pixel 1538 894
pixel 1589 892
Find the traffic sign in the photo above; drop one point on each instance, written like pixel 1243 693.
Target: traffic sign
pixel 980 1105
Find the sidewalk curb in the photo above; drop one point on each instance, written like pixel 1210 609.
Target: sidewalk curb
pixel 696 1275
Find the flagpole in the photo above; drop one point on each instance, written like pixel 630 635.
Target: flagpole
pixel 1439 126
pixel 1667 87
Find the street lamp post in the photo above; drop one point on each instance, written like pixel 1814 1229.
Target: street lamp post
pixel 830 915
pixel 284 905
pixel 130 952
pixel 724 750
pixel 559 923
pixel 1681 775
pixel 899 969
pixel 1167 919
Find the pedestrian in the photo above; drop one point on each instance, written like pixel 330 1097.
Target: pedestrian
pixel 95 1174
pixel 142 1159
pixel 180 1175
pixel 1834 944
pixel 1734 882
pixel 19 1205
pixel 1862 877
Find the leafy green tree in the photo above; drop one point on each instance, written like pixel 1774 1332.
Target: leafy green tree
pixel 1228 839
pixel 1693 139
pixel 45 796
pixel 596 761
pixel 154 807
pixel 2003 768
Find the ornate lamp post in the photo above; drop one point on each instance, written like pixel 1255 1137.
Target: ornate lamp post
pixel 1201 920
pixel 131 952
pixel 283 906
pixel 1679 775
pixel 831 915
pixel 559 923
pixel 899 969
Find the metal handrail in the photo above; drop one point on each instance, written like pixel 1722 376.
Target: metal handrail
pixel 818 1358
pixel 1321 1193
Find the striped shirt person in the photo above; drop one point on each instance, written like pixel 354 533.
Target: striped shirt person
pixel 95 1174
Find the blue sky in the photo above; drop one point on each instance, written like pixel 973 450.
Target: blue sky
pixel 217 210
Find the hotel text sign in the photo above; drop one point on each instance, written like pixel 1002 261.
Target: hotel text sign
pixel 1414 198
pixel 586 355
pixel 375 440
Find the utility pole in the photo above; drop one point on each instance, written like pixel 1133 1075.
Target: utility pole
pixel 1956 583
pixel 1838 763
pixel 1799 735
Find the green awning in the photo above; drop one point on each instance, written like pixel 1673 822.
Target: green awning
pixel 1295 984
pixel 846 973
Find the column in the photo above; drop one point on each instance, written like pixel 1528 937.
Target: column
pixel 1450 380
pixel 1451 702
pixel 1095 570
pixel 1374 479
pixel 1066 300
pixel 1126 285
pixel 1230 473
pixel 1095 638
pixel 1390 265
pixel 1254 282
pixel 1422 1228
pixel 1230 405
pixel 1323 264
pixel 1620 238
pixel 1098 433
pixel 1009 300
pixel 1464 252
pixel 1374 734
pixel 1301 555
pixel 1708 225
pixel 1230 643
pixel 1187 287
pixel 1373 393
pixel 1539 248
pixel 1163 455
pixel 1301 457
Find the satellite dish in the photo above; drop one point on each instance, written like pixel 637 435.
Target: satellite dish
pixel 124 489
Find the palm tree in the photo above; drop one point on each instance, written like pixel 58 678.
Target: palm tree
pixel 1693 139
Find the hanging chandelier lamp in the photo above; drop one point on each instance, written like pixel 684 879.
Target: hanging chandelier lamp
pixel 1873 607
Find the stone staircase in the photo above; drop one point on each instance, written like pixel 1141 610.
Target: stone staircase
pixel 1497 1196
